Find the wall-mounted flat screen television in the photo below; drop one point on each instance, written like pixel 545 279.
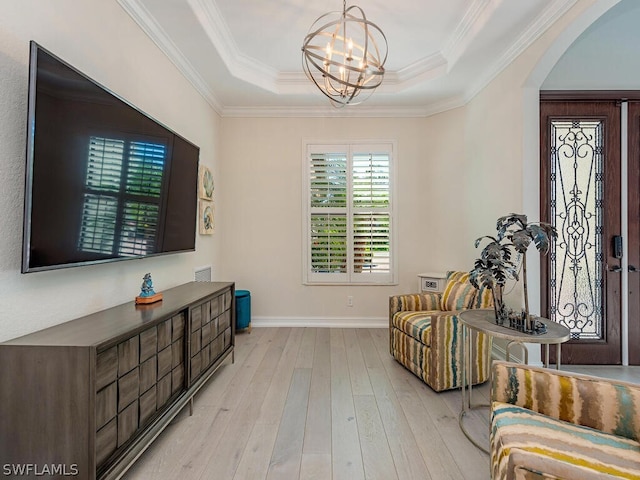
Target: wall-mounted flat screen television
pixel 104 181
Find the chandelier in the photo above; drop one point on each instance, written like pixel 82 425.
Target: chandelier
pixel 344 54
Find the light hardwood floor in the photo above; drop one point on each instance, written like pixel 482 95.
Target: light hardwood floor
pixel 319 404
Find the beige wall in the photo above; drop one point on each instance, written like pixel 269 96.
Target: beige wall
pixel 447 196
pixel 100 39
pixel 261 221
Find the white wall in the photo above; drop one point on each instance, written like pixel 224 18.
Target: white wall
pixel 100 39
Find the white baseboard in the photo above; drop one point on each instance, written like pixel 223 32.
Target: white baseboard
pixel 320 322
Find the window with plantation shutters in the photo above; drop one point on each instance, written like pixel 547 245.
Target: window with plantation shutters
pixel 123 186
pixel 348 214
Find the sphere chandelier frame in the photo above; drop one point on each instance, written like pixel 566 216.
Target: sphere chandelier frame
pixel 344 55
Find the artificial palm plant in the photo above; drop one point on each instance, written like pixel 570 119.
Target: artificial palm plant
pixel 497 263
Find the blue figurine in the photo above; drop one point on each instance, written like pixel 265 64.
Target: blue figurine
pixel 147 286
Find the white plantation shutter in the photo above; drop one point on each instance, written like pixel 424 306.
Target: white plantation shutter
pixel 328 180
pixel 371 181
pixel 348 214
pixel 371 243
pixel 329 243
pixel 328 221
pixel 371 214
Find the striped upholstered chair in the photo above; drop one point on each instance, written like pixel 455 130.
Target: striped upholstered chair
pixel 547 424
pixel 425 333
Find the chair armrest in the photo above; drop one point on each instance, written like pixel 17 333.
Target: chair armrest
pixel 610 406
pixel 413 303
pixel 446 348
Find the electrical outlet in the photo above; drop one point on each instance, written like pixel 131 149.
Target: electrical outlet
pixel 349 301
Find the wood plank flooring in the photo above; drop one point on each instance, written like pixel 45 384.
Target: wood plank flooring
pixel 318 404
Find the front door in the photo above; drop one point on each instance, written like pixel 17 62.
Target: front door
pixel 581 197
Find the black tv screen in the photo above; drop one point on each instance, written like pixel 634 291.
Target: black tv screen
pixel 104 181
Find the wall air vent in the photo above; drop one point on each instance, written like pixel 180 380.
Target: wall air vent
pixel 203 274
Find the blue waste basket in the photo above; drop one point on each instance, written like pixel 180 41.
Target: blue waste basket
pixel 243 310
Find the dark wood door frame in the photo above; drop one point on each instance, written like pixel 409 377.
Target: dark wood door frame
pixel 633 232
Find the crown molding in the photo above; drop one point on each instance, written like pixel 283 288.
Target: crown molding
pixel 250 70
pixel 426 68
pixel 240 65
pixel 474 19
pixel 535 30
pixel 353 111
pixel 145 21
pixel 324 111
pixel 287 83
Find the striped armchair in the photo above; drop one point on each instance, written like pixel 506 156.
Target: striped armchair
pixel 425 333
pixel 547 424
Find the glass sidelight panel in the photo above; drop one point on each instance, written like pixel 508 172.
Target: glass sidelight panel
pixel 577 257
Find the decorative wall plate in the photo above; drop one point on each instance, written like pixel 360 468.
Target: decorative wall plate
pixel 206 184
pixel 206 222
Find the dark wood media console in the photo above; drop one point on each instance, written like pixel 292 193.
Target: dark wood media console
pixel 88 396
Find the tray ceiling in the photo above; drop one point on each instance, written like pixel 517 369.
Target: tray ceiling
pixel 244 56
